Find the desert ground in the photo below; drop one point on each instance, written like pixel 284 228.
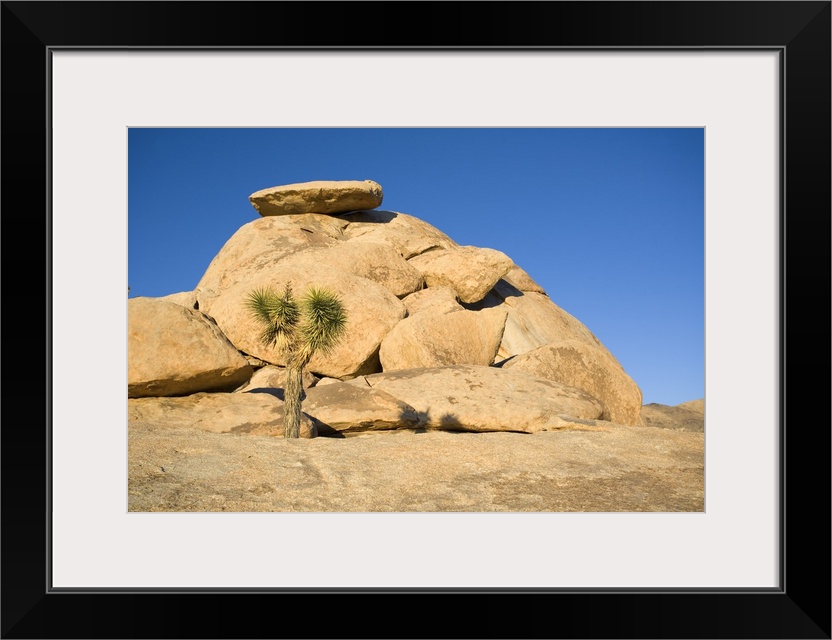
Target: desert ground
pixel 605 467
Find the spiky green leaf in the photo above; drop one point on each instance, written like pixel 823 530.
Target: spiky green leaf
pixel 324 320
pixel 279 315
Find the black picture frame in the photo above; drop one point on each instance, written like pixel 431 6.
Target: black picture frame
pixel 799 608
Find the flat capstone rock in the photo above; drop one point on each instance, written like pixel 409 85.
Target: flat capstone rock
pixel 320 196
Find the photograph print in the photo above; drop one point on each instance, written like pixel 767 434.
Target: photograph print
pixel 416 319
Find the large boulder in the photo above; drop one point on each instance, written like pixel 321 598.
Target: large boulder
pixel 241 413
pixel 474 398
pixel 409 235
pixel 470 271
pixel 533 321
pixel 371 310
pixel 375 261
pixel 343 407
pixel 437 300
pixel 431 339
pixel 261 244
pixel 274 378
pixel 321 196
pixel 589 367
pixel 174 351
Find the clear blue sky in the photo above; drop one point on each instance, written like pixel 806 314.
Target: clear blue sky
pixel 610 222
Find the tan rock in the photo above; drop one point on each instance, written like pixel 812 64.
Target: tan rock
pixel 521 280
pixel 371 310
pixel 694 405
pixel 473 398
pixel 342 407
pixel 241 413
pixel 173 351
pixel 409 235
pixel 259 245
pixel 685 416
pixel 378 262
pixel 186 299
pixel 534 321
pixel 271 377
pixel 358 381
pixel 590 368
pixel 430 339
pixel 470 271
pixel 437 300
pixel 617 469
pixel 321 196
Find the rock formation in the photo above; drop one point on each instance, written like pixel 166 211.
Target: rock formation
pixel 470 271
pixel 439 336
pixel 475 398
pixel 372 312
pixel 688 416
pixel 586 366
pixel 173 350
pixel 320 197
pixel 253 413
pixel 430 339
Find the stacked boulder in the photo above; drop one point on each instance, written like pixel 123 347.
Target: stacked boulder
pixel 440 336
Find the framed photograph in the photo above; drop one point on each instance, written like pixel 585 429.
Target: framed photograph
pixel 753 77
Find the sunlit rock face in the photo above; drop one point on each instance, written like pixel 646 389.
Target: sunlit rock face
pixel 322 196
pixel 438 336
pixel 175 351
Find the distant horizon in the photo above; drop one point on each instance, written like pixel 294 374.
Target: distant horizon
pixel 610 222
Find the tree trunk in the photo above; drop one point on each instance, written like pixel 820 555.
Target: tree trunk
pixel 292 398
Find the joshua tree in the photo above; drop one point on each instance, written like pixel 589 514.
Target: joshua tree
pixel 299 329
